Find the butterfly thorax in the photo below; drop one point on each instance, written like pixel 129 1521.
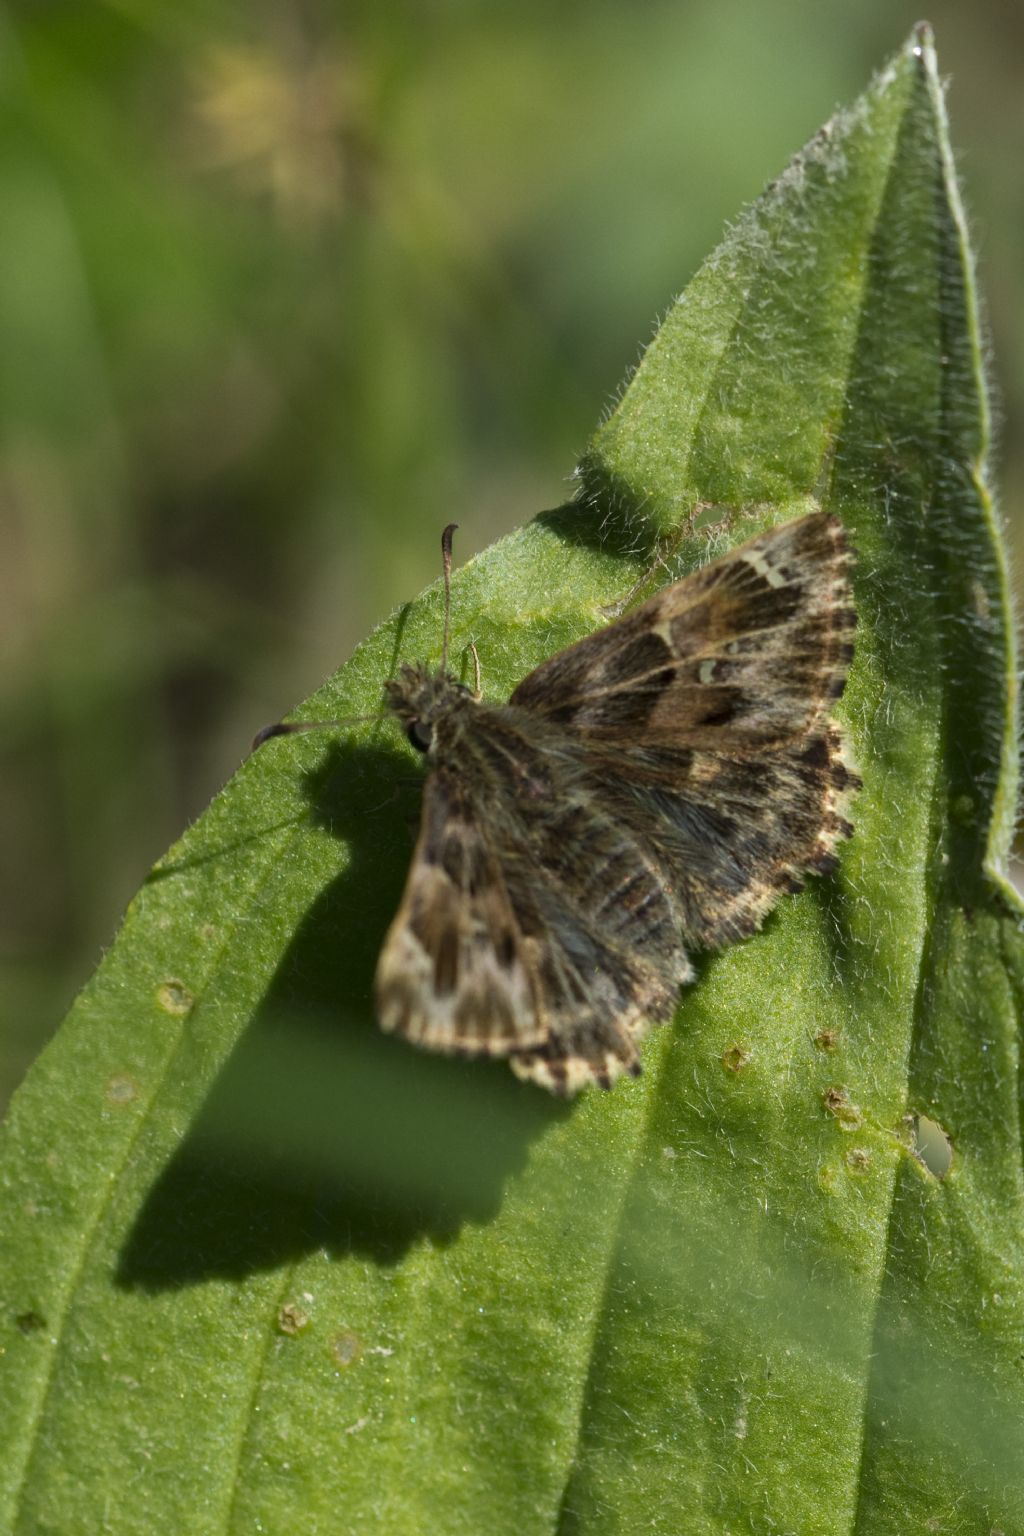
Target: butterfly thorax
pixel 421 698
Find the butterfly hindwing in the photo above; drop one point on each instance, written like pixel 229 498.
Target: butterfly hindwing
pixel 734 832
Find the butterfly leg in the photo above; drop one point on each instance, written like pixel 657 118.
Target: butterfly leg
pixel 476 671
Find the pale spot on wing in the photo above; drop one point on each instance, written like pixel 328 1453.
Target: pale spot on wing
pixel 453 975
pixel 771 573
pixel 566 1075
pixel 707 671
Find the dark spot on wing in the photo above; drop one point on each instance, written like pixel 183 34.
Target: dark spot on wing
pixel 505 949
pixel 464 861
pixel 643 653
pixel 727 707
pixel 446 962
pixel 816 754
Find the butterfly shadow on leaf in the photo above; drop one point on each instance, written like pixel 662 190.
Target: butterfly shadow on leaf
pixel 321 1132
pixel 605 514
pixel 609 514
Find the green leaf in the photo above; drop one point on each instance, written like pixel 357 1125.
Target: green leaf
pixel 268 1270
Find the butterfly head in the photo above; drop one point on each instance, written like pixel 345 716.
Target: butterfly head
pixel 420 698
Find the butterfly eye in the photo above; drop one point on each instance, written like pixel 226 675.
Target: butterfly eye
pixel 420 734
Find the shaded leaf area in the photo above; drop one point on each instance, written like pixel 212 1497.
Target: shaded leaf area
pixel 284 1270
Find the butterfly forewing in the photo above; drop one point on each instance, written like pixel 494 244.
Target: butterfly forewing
pixel 752 648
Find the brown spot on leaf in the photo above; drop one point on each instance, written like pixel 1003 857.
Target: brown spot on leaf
pixel 837 1101
pixel 291 1319
pixel 174 997
pixel 121 1089
pixel 735 1058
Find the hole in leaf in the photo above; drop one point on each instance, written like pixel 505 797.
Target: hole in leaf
pixel 932 1146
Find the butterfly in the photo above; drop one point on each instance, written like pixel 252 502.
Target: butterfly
pixel 648 792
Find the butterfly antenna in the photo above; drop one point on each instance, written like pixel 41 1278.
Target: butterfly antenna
pixel 446 561
pixel 294 727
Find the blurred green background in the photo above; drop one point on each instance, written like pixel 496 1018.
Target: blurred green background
pixel 285 287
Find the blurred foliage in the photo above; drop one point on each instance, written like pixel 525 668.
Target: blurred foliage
pixel 281 282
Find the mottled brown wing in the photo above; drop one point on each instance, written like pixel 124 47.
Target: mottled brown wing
pixel 454 973
pixel 703 717
pixel 733 833
pixel 533 925
pixel 756 644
